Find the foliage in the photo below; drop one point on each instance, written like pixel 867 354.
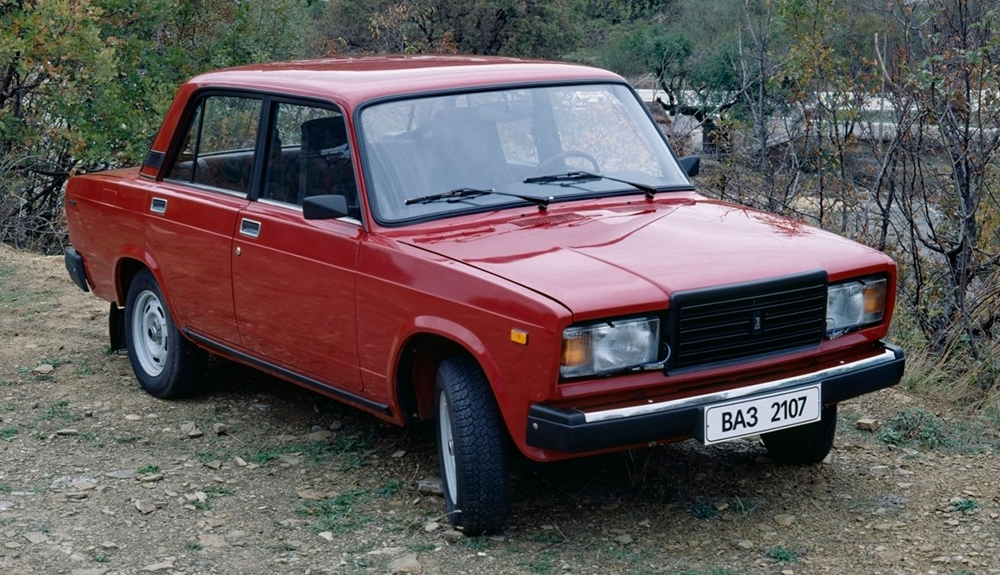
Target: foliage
pixel 782 555
pixel 916 427
pixel 84 84
pixel 880 121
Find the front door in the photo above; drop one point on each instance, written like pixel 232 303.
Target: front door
pixel 293 279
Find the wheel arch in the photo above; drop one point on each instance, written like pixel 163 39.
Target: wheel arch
pixel 429 342
pixel 129 263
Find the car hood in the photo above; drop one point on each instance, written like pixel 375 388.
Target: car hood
pixel 630 257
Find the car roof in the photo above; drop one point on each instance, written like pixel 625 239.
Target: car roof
pixel 355 80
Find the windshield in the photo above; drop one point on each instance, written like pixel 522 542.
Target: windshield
pixel 496 140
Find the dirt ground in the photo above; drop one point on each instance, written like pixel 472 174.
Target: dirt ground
pixel 257 476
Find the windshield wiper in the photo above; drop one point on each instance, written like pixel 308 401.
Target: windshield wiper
pixel 459 193
pixel 581 176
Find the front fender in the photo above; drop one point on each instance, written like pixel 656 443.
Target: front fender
pixel 450 330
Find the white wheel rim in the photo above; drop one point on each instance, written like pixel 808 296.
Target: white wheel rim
pixel 447 440
pixel 150 335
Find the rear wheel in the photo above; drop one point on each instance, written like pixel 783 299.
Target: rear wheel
pixel 808 443
pixel 166 364
pixel 471 448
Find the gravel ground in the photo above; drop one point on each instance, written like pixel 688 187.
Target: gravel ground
pixel 257 476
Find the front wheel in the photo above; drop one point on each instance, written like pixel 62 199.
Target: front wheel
pixel 804 444
pixel 471 448
pixel 166 364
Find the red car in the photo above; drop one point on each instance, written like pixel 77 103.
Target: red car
pixel 508 248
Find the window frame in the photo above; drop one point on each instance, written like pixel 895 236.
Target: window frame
pixel 270 105
pixel 184 126
pixel 366 163
pixel 261 145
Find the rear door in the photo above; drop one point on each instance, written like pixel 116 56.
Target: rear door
pixel 293 279
pixel 193 211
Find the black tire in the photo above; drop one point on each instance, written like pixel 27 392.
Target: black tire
pixel 477 484
pixel 166 364
pixel 806 443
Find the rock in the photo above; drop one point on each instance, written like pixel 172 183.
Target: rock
pixel 290 459
pixel 321 435
pixel 6 505
pixel 76 495
pixel 240 461
pixel 161 566
pixel 84 484
pixel 133 417
pixel 214 464
pixel 36 537
pixel 219 428
pixel 398 454
pixel 883 526
pixel 121 474
pixel 430 486
pixel 452 536
pixel 405 564
pixel 784 520
pixel 151 478
pixel 313 495
pixel 745 544
pixel 625 539
pixel 327 535
pixel 432 527
pixel 212 541
pixel 385 551
pixel 95 571
pixel 43 369
pixel 868 424
pixel 67 431
pixel 191 429
pixel 144 507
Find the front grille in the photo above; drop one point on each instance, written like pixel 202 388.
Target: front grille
pixel 747 320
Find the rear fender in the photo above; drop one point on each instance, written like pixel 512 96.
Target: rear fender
pixel 131 256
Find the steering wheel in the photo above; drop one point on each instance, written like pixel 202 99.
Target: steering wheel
pixel 552 162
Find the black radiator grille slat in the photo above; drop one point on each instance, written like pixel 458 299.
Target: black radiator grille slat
pixel 745 321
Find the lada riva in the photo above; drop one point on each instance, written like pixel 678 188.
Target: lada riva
pixel 508 249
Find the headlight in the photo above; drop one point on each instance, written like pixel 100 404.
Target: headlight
pixel 854 304
pixel 609 346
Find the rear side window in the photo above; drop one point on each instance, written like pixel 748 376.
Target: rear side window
pixel 218 146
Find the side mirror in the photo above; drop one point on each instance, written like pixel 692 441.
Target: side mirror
pixel 691 165
pixel 326 207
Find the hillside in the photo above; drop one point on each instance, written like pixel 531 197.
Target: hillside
pixel 257 476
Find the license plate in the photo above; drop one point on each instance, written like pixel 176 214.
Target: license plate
pixel 740 418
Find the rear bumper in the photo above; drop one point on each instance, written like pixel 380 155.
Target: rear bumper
pixel 74 265
pixel 571 430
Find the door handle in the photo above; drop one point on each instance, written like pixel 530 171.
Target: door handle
pixel 158 206
pixel 249 228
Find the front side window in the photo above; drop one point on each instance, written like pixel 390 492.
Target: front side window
pixel 515 141
pixel 307 155
pixel 218 146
